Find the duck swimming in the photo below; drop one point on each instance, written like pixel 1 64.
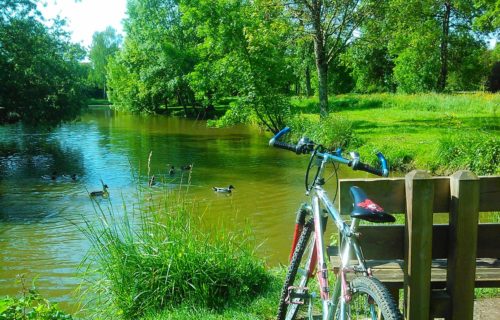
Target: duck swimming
pixel 72 177
pixel 223 190
pixel 104 193
pixel 52 177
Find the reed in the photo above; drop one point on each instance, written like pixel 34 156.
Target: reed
pixel 160 255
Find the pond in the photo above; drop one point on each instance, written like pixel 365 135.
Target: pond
pixel 40 216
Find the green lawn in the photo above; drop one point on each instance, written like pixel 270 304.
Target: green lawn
pixel 423 131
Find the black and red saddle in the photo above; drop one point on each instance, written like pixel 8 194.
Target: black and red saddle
pixel 366 209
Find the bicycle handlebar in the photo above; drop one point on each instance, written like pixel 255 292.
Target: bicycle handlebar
pixel 306 146
pixel 302 147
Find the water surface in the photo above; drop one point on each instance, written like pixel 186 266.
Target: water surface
pixel 39 217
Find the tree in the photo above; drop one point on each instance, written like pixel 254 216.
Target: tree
pixel 42 79
pixel 331 25
pixel 368 56
pixel 244 54
pixel 150 73
pixel 104 45
pixel 431 39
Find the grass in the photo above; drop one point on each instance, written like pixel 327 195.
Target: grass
pixel 159 261
pixel 423 131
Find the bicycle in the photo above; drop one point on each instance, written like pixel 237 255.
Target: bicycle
pixel 356 293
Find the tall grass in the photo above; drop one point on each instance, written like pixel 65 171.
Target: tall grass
pixel 161 256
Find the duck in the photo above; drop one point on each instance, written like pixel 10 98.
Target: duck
pixel 52 177
pixel 101 193
pixel 187 167
pixel 224 190
pixel 152 181
pixel 72 177
pixel 171 171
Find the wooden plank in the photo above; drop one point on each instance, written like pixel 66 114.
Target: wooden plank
pixel 418 243
pixel 441 194
pixel 382 241
pixel 386 242
pixel 464 215
pixel 489 198
pixel 440 304
pixel 391 272
pixel 390 193
pixel 488 240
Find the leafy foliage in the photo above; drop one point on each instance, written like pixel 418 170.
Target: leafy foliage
pixel 31 305
pixel 104 45
pixel 42 79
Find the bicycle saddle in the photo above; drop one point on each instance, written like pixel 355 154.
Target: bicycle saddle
pixel 366 209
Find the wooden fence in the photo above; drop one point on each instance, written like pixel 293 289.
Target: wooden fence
pixel 433 287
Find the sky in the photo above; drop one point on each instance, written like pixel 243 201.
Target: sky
pixel 87 16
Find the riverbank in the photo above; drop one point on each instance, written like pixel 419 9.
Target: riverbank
pixel 437 132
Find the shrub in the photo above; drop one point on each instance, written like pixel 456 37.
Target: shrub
pixel 31 305
pixel 333 131
pixel 163 258
pixel 475 151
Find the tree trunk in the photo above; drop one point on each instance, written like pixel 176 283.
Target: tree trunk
pixel 308 82
pixel 321 59
pixel 322 67
pixel 444 47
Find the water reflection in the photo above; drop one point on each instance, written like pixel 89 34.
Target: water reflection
pixel 39 218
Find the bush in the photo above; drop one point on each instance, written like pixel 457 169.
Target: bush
pixel 333 131
pixel 164 259
pixel 30 306
pixel 475 151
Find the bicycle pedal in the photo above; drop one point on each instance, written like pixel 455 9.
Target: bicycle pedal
pixel 295 297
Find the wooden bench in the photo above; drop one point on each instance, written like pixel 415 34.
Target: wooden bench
pixel 437 265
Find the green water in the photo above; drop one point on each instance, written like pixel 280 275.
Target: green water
pixel 39 217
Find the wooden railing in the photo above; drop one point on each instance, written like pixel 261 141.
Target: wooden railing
pixel 439 264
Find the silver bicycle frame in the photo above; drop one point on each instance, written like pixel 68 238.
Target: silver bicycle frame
pixel 350 244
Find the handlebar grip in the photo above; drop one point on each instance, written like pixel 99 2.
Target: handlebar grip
pixel 383 171
pixel 282 132
pixel 365 167
pixel 383 163
pixel 284 145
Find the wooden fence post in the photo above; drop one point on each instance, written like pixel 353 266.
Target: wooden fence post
pixel 464 214
pixel 418 244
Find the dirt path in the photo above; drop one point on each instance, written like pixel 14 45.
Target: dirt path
pixel 487 309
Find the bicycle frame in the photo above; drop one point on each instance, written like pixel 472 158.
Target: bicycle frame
pixel 341 291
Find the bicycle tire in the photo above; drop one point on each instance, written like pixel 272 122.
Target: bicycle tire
pixel 370 300
pixel 288 311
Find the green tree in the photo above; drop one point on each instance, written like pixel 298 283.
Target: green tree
pixel 149 74
pixel 104 45
pixel 330 24
pixel 42 79
pixel 432 39
pixel 368 56
pixel 244 54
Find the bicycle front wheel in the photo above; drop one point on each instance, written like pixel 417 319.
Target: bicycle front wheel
pixel 371 300
pixel 298 275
